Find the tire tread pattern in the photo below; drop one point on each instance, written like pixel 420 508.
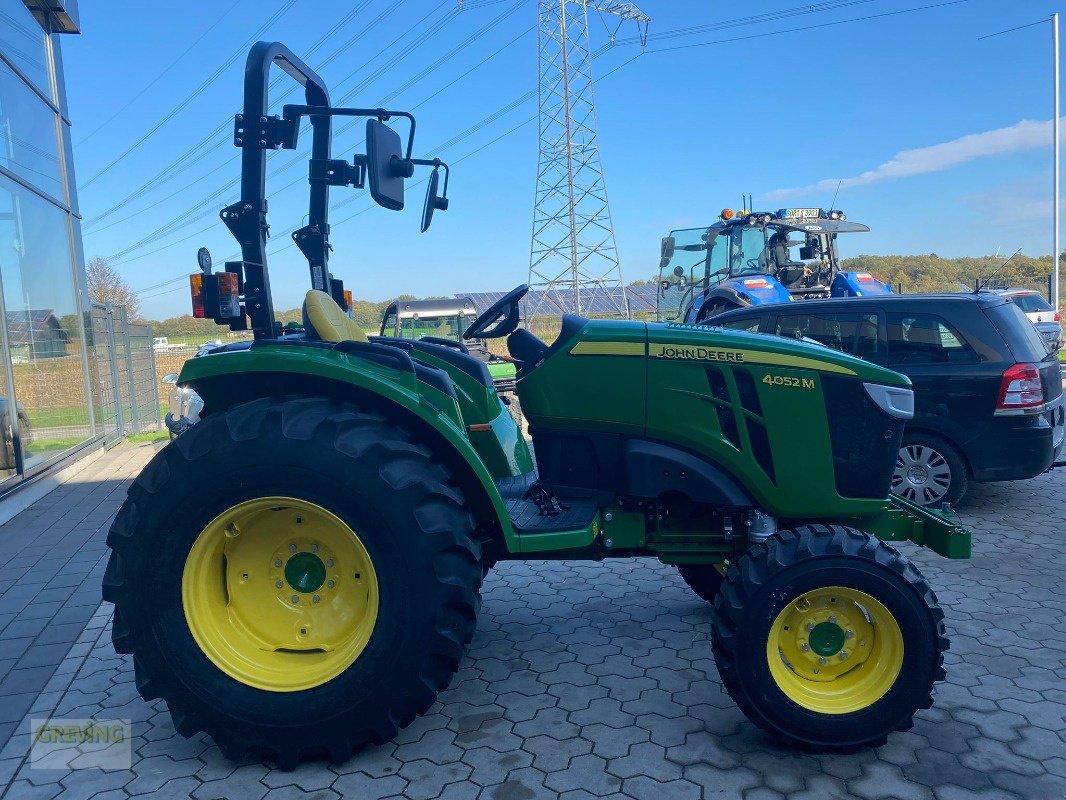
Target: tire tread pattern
pixel 764 560
pixel 439 507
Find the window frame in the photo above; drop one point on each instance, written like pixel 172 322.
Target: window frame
pixel 891 359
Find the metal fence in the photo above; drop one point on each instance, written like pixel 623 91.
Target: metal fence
pixel 122 361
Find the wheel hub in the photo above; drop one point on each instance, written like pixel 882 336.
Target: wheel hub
pixel 305 572
pixel 827 639
pixel 917 475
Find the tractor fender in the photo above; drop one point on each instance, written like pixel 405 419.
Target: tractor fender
pixel 726 295
pixel 227 379
pixel 654 469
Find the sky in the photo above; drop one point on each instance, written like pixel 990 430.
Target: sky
pixel 939 140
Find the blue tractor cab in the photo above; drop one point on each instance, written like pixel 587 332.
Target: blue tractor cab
pixel 757 258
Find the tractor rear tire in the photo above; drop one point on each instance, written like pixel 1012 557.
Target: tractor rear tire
pixel 356 489
pixel 828 638
pixel 703 579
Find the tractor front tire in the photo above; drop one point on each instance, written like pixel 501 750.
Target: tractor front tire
pixel 703 579
pixel 826 637
pixel 296 577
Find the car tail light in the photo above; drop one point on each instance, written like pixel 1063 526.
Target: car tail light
pixel 1058 317
pixel 1020 388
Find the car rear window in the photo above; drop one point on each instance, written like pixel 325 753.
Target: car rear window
pixel 1030 303
pixel 925 339
pixel 750 324
pixel 1022 336
pixel 854 333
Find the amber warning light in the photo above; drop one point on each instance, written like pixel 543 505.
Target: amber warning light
pixel 196 289
pixel 727 213
pixel 215 295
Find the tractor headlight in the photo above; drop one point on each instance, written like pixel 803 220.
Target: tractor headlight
pixel 896 401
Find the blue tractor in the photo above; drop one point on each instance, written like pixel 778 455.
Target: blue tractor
pixel 757 258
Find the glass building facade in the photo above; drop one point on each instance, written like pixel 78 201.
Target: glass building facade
pixel 46 411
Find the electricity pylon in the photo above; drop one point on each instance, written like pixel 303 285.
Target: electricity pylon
pixel 573 258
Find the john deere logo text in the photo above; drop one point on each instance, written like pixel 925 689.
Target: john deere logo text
pixel 694 353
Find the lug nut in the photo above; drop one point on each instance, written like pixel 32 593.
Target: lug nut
pixel 805 647
pixel 292 548
pixel 277 562
pixel 296 598
pixel 849 634
pixel 331 583
pixel 314 548
pixel 823 660
pixel 279 584
pixel 316 599
pixel 329 562
pixel 810 626
pixel 843 655
pixel 832 619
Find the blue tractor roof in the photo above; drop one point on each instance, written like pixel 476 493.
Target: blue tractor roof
pixel 804 220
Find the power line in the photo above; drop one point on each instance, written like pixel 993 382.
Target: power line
pixel 754 19
pixel 158 77
pixel 192 96
pixel 188 158
pixel 811 27
pixel 184 219
pixel 1012 30
pixel 352 198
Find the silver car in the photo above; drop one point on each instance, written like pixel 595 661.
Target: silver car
pixel 1040 312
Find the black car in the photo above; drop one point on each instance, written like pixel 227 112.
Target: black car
pixel 987 388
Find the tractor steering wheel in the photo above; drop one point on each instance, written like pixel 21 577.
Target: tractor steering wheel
pixel 505 310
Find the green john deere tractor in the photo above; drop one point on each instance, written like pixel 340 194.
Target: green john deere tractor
pixel 299 572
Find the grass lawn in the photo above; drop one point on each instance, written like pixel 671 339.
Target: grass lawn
pixel 148 438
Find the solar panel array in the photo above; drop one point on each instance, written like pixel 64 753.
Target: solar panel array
pixel 26 326
pixel 603 301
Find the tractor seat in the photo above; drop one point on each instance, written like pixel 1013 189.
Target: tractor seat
pixel 325 321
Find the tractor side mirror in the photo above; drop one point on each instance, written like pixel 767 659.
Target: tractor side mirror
pixel 433 201
pixel 386 168
pixel 806 253
pixel 667 248
pixel 679 271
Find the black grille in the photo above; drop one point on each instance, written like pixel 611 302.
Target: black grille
pixel 718 388
pixel 864 438
pixel 749 394
pixel 760 448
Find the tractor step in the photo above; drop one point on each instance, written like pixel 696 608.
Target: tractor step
pixel 527 514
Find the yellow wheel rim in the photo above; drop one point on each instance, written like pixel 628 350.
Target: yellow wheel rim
pixel 835 650
pixel 280 594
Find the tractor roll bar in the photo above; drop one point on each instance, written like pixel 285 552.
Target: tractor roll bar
pixel 255 132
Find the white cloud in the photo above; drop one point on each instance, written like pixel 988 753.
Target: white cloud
pixel 1025 135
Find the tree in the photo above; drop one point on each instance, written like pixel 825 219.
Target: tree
pixel 107 286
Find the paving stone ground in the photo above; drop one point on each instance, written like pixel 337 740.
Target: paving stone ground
pixel 596 681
